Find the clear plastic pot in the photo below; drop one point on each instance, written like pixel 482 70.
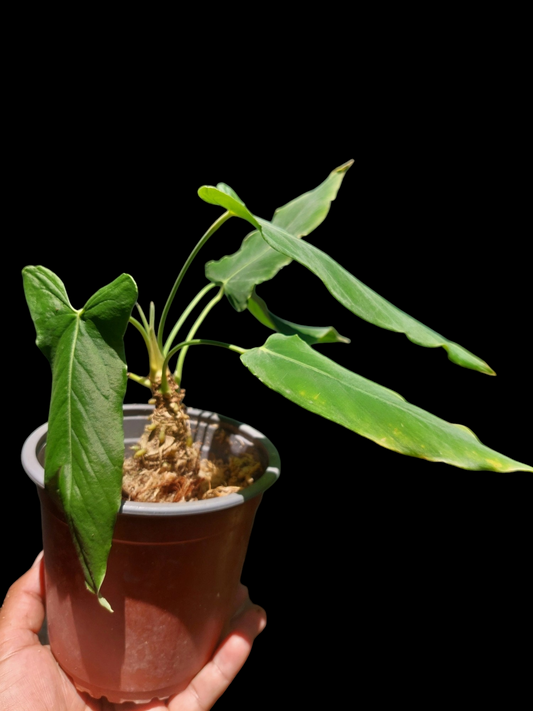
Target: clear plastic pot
pixel 172 574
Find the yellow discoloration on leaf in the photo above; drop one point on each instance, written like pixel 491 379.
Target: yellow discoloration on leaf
pixel 494 463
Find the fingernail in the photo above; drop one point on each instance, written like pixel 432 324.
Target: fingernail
pixel 37 561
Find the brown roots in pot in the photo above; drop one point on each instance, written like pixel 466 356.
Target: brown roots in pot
pixel 166 465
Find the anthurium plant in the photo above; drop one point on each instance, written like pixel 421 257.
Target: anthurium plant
pixel 85 442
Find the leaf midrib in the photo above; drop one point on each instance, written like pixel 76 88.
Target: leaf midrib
pixel 69 399
pixel 265 248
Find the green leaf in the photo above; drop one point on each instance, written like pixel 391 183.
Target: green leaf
pixel 255 262
pixel 225 197
pixel 309 334
pixel 85 440
pixel 363 301
pixel 49 307
pixel 291 367
pixel 305 213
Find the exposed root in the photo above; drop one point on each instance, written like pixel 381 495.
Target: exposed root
pixel 166 465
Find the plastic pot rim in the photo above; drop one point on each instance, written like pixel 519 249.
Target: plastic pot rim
pixel 35 471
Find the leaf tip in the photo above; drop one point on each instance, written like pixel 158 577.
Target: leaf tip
pixel 344 167
pixel 104 603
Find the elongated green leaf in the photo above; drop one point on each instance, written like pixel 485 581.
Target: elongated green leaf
pixel 363 301
pixel 309 334
pixel 294 369
pixel 85 441
pixel 255 262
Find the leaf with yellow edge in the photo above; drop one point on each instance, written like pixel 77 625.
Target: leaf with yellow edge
pixel 292 368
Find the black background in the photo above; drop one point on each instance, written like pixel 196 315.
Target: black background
pixel 376 570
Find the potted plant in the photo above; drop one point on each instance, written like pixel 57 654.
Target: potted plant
pixel 192 476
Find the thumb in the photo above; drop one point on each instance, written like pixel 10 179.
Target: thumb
pixel 22 613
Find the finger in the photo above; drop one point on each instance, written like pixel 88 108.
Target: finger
pixel 23 608
pixel 211 682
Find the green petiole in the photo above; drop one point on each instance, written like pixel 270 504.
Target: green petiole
pixel 210 232
pixel 179 369
pixel 195 342
pixel 185 315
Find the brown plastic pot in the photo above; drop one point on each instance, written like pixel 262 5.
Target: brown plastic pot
pixel 172 575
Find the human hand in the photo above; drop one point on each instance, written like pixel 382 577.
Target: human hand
pixel 31 679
